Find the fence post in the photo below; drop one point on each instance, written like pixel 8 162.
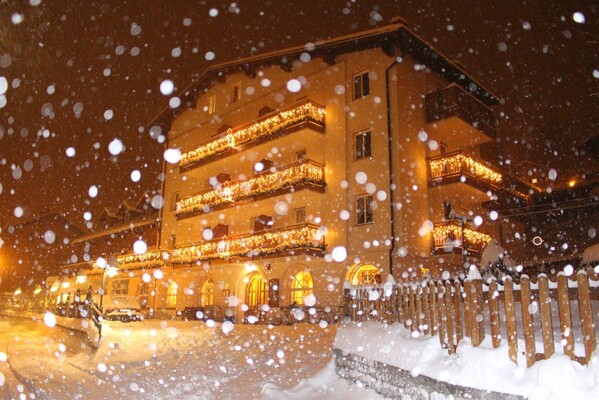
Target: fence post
pixel 442 315
pixel 426 309
pixel 546 323
pixel 510 319
pixel 457 301
pixel 586 319
pixel 418 294
pixel 476 303
pixel 432 296
pixel 449 316
pixel 494 314
pixel 565 316
pixel 412 309
pixel 527 321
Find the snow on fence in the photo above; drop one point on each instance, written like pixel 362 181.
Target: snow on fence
pixel 455 309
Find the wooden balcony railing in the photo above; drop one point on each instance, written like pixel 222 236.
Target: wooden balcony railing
pixel 451 167
pixel 308 174
pixel 266 128
pixel 297 238
pixel 454 101
pixel 447 237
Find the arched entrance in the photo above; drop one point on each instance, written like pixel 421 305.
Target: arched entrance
pixel 364 274
pixel 256 290
pixel 301 286
pixel 207 293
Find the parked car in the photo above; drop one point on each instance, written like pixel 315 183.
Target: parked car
pixel 122 308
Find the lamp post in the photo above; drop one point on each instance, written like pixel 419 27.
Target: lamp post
pixel 158 274
pixel 111 272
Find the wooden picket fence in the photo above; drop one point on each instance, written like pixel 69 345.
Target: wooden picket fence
pixel 453 310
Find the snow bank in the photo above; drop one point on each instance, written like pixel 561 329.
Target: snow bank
pixel 481 368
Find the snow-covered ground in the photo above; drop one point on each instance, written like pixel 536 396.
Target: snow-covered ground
pixel 481 367
pixel 172 360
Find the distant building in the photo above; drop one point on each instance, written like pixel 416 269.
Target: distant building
pixel 115 233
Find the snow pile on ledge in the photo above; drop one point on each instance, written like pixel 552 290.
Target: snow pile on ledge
pixel 481 368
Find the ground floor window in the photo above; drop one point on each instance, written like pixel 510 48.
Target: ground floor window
pixel 143 294
pixel 120 286
pixel 301 286
pixel 256 292
pixel 207 293
pixel 171 295
pixel 365 275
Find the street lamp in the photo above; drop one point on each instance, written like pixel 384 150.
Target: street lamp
pixel 158 274
pixel 111 272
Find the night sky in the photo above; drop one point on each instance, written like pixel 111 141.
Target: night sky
pixel 68 63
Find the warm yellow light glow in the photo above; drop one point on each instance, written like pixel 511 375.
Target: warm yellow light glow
pixel 54 288
pixel 458 163
pixel 66 284
pixel 304 236
pixel 37 290
pixel 148 258
pixel 308 111
pixel 295 174
pixel 444 234
pixel 81 279
pixel 112 272
pixel 572 183
pixel 18 292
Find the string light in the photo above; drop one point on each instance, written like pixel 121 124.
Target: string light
pixel 458 163
pixel 295 174
pixel 307 111
pixel 305 236
pixel 154 257
pixel 448 232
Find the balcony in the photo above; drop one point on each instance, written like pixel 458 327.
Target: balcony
pixel 447 238
pixel 304 115
pixel 453 101
pixel 458 167
pixel 301 175
pixel 303 238
pixel 150 259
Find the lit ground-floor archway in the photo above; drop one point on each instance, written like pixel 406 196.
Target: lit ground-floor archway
pixel 364 274
pixel 302 285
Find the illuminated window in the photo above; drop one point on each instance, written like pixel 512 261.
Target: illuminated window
pixel 207 293
pixel 364 210
pixel 120 286
pixel 256 292
pixel 301 286
pixel 171 295
pixel 211 105
pixel 366 275
pixel 236 94
pixel 361 85
pixel 363 145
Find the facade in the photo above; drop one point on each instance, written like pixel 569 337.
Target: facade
pixel 313 168
pixel 116 232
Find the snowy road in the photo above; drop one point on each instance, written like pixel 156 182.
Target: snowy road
pixel 167 360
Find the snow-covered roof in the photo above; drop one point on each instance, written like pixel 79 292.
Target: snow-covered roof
pixel 389 38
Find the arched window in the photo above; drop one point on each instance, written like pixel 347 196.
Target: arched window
pixel 207 293
pixel 365 275
pixel 256 292
pixel 171 295
pixel 301 286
